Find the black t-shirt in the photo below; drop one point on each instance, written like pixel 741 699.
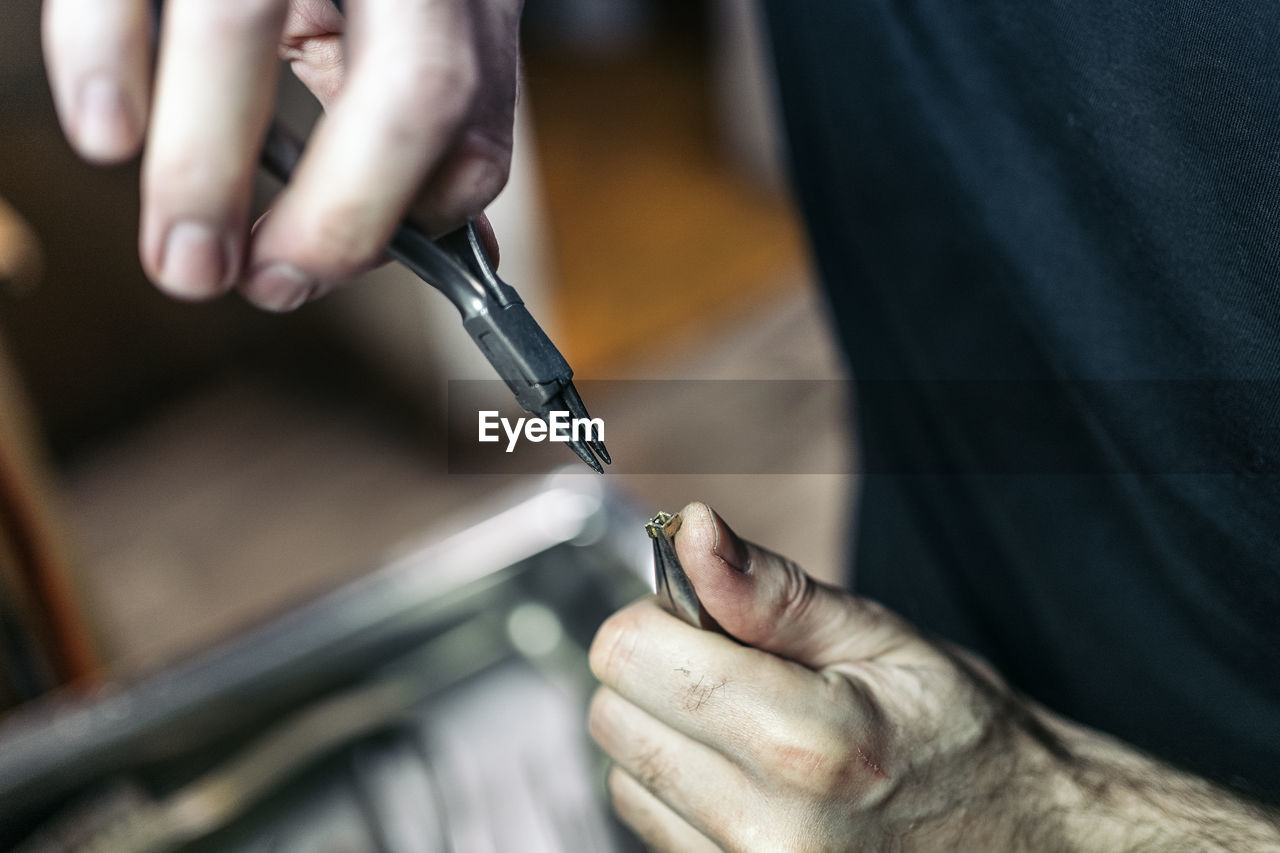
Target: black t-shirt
pixel 1050 234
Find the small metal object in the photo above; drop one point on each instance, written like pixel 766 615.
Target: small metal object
pixel 675 592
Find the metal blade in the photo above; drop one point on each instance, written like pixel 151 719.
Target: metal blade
pixel 573 401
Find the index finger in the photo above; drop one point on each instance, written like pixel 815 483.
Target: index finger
pixel 410 85
pixel 99 59
pixel 733 698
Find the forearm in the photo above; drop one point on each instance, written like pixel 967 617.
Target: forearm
pixel 1109 796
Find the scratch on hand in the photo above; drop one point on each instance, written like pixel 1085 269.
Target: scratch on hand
pixel 700 693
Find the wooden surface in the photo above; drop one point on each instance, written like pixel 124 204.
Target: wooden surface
pixel 37 572
pixel 653 231
pixel 21 260
pixel 35 537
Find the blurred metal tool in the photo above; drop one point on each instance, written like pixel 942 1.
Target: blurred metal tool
pixel 125 818
pixel 492 312
pixel 675 592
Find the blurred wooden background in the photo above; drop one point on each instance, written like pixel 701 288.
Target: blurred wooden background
pixel 217 464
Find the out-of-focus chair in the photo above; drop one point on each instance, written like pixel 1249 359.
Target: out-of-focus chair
pixel 43 641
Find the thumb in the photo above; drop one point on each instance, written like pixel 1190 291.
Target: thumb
pixel 767 601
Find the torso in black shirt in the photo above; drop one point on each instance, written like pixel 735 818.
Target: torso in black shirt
pixel 1050 234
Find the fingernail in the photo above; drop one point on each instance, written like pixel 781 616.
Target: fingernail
pixel 261 220
pixel 105 125
pixel 728 546
pixel 195 263
pixel 279 287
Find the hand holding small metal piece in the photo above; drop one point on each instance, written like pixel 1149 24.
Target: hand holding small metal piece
pixel 675 592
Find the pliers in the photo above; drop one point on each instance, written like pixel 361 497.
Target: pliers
pixel 492 312
pixel 672 586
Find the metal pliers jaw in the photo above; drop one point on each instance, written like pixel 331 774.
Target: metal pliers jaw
pixel 674 590
pixel 502 327
pixel 492 312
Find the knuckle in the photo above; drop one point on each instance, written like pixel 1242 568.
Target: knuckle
pixel 598 717
pixel 796 594
pixel 445 85
pixel 652 770
pixel 473 178
pixel 488 177
pixel 619 791
pixel 337 243
pixel 182 174
pixel 613 647
pixel 813 757
pixel 488 152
